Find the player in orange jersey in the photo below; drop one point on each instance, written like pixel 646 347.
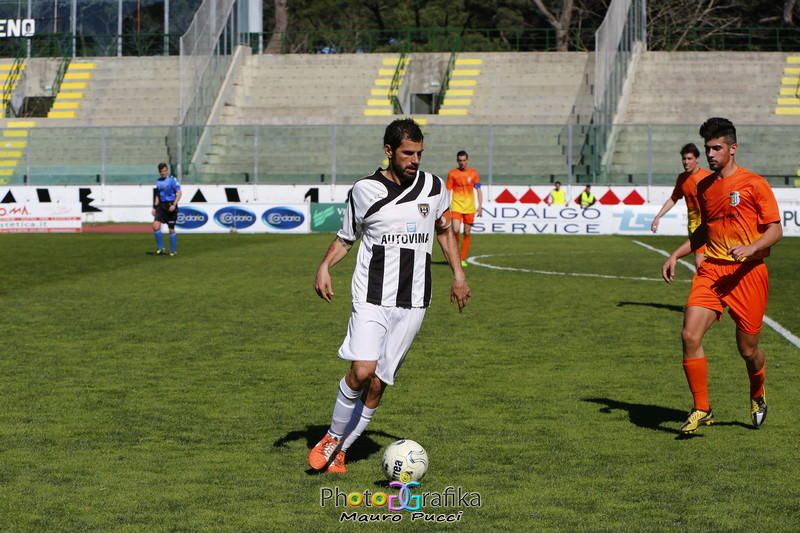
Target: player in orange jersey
pixel 464 182
pixel 740 222
pixel 686 187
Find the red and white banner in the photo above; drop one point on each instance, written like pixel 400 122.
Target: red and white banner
pixel 40 218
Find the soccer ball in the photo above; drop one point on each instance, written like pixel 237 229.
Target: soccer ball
pixel 405 461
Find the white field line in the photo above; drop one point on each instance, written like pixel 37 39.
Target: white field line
pixel 783 332
pixel 474 261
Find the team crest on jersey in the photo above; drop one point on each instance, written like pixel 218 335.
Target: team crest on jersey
pixel 734 198
pixel 424 209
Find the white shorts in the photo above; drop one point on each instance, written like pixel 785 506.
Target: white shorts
pixel 382 334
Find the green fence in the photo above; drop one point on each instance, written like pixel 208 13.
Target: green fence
pixel 764 39
pixel 504 155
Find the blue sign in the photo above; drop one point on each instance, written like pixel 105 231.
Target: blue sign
pixel 191 218
pixel 282 218
pixel 235 217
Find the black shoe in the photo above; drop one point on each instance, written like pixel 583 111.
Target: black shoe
pixel 758 410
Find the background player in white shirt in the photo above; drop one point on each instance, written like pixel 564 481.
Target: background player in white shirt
pixel 396 212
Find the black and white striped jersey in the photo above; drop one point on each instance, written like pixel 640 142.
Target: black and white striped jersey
pixel 397 227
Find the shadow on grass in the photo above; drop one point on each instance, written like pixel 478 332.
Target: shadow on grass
pixel 653 416
pixel 676 308
pixel 363 448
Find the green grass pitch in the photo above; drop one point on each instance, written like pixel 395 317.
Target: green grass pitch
pixel 142 393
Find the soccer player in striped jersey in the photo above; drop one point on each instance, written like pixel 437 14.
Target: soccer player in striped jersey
pixel 396 212
pixel 740 222
pixel 686 187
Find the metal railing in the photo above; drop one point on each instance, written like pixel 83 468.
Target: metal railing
pixel 59 79
pixel 763 39
pixel 531 154
pixel 105 45
pixel 394 86
pixel 445 85
pixel 11 83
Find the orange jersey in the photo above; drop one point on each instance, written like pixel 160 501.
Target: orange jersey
pixel 736 210
pixel 686 187
pixel 463 184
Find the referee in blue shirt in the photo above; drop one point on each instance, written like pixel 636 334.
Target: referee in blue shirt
pixel 165 209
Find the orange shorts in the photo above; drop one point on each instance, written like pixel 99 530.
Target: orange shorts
pixel 742 287
pixel 467 218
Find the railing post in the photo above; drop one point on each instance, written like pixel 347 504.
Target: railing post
pixel 103 155
pixel 649 155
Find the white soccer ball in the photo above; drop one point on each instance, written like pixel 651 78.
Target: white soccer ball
pixel 405 461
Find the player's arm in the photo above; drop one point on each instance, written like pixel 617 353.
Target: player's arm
pixel 448 185
pixel 459 292
pixel 772 234
pixel 669 204
pixel 480 199
pixel 336 252
pixel 692 244
pixel 174 205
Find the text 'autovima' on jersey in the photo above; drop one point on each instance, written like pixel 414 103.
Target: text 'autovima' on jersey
pixel 397 227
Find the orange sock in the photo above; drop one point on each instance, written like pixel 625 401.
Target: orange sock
pixel 757 381
pixel 697 375
pixel 465 246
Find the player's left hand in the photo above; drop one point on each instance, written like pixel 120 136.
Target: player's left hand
pixel 668 269
pixel 459 293
pixel 654 225
pixel 323 285
pixel 741 252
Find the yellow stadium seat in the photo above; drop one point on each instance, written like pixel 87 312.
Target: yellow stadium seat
pixel 61 114
pixel 456 111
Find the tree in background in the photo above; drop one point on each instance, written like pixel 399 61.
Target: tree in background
pixel 672 25
pixel 281 23
pixel 378 25
pixel 560 19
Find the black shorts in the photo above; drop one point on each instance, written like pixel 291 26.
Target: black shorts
pixel 163 214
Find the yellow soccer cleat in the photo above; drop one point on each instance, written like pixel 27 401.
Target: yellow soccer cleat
pixel 697 418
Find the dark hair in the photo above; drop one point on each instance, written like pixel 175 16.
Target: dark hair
pixel 558 183
pixel 162 165
pixel 400 129
pixel 690 148
pixel 716 127
pixel 462 152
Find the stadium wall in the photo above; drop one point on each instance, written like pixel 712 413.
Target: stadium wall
pixel 517 209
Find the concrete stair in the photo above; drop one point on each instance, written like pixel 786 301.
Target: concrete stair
pixel 688 87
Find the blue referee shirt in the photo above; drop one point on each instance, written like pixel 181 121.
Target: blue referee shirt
pixel 168 188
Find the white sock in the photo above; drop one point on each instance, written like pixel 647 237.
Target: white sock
pixel 361 418
pixel 346 400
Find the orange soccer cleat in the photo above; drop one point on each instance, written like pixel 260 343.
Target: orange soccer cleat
pixel 321 454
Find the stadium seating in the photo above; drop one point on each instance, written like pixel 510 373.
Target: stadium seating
pixel 675 91
pixel 305 118
pixel 131 105
pixel 511 92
